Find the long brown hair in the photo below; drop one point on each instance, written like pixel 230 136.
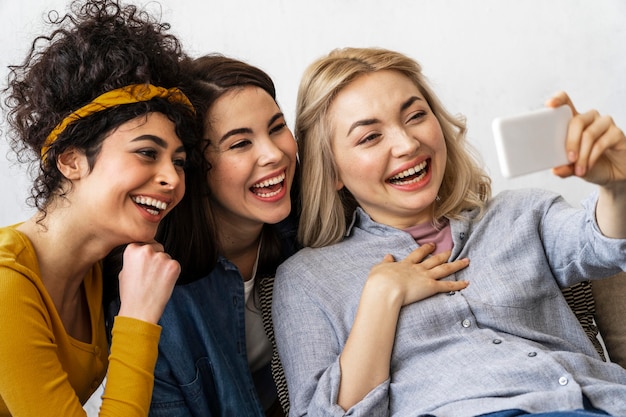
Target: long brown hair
pixel 188 233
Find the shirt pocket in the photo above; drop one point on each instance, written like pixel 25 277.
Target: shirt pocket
pixel 186 398
pixel 512 285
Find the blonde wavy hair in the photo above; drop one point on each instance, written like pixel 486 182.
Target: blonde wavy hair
pixel 326 212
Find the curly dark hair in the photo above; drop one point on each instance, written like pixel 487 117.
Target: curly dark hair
pixel 98 46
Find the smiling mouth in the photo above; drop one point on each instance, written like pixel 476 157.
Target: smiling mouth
pixel 270 187
pixel 411 175
pixel 151 205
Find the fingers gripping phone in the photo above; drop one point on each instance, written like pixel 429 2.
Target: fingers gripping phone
pixel 532 141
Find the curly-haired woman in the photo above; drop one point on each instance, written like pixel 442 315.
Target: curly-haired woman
pixel 96 109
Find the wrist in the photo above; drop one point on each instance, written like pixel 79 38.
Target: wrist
pixel 384 292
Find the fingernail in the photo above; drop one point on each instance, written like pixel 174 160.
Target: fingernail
pixel 571 156
pixel 580 171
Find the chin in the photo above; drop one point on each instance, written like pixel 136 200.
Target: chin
pixel 276 218
pixel 145 237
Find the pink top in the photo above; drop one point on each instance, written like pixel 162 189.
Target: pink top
pixel 427 233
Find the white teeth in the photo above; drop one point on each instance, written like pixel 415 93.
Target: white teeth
pixel 268 195
pixel 271 181
pixel 409 172
pixel 147 201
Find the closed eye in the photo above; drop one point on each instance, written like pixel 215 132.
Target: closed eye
pixel 277 128
pixel 369 138
pixel 180 163
pixel 417 116
pixel 240 144
pixel 148 153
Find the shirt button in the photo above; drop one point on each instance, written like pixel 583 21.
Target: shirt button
pixel 563 380
pixel 96 350
pixel 466 323
pixel 532 354
pixel 497 341
pixel 95 384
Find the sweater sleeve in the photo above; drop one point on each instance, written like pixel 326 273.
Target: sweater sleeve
pixel 134 350
pixel 309 350
pixel 33 379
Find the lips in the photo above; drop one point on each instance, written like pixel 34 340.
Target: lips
pixel 269 187
pixel 411 175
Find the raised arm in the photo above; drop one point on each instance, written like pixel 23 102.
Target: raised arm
pixel 597 151
pixel 45 372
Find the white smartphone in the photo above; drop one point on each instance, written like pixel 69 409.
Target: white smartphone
pixel 532 141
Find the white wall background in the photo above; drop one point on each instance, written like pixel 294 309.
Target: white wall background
pixel 484 58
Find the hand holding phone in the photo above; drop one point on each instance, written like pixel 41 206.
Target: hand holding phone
pixel 532 141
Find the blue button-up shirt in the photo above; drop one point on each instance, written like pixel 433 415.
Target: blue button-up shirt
pixel 508 341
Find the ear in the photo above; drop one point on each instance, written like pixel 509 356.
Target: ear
pixel 73 164
pixel 338 184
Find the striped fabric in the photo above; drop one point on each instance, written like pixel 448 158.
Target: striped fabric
pixel 266 285
pixel 580 299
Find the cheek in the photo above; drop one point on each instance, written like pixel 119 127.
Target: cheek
pixel 341 157
pixel 341 164
pixel 358 171
pixel 227 174
pixel 288 147
pixel 292 150
pixel 442 149
pixel 180 190
pixel 364 164
pixel 217 170
pixel 440 144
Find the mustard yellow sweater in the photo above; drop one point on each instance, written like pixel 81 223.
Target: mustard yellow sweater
pixel 46 372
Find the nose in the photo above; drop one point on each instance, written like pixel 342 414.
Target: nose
pixel 404 143
pixel 168 175
pixel 269 152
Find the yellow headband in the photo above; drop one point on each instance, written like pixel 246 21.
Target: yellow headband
pixel 126 95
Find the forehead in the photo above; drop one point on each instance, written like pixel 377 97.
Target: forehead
pixel 240 105
pixel 371 96
pixel 151 124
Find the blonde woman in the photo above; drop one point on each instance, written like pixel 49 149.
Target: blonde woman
pixel 386 170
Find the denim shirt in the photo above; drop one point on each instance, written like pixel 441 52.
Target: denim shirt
pixel 509 340
pixel 202 369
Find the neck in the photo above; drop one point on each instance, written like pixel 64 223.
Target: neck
pixel 65 255
pixel 240 247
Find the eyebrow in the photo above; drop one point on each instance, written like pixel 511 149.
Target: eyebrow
pixel 409 102
pixel 366 122
pixel 274 118
pixel 159 142
pixel 247 130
